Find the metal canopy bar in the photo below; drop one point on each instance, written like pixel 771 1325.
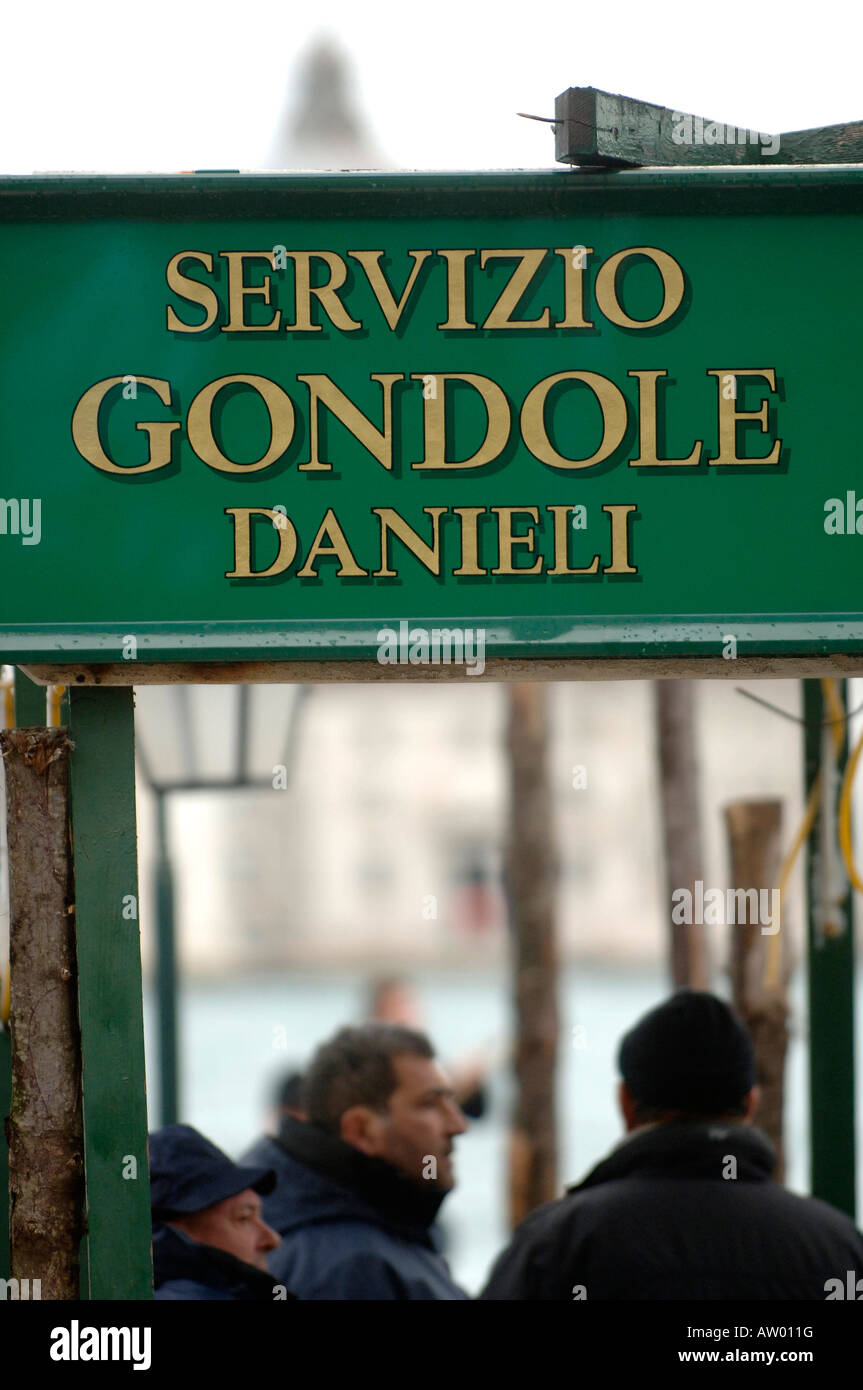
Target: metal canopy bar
pixel 357 639
pixel 790 188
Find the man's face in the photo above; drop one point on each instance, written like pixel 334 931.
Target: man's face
pixel 234 1225
pixel 417 1130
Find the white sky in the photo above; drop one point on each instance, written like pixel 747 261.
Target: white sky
pixel 184 84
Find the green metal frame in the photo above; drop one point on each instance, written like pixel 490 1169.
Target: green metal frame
pixel 117 1262
pixel 831 1005
pixel 801 188
pixel 773 635
pixel 169 1083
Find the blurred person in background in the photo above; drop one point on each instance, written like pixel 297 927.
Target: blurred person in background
pixel 287 1100
pixel 393 999
pixel 209 1241
pixel 361 1180
pixel 684 1207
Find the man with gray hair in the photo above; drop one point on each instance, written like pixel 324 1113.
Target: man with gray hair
pixel 360 1182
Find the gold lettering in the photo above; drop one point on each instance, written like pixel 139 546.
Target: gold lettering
pixel 434 407
pixel 428 555
pixel 199 423
pixel 456 290
pixel 378 442
pixel 648 426
pixel 369 260
pixel 673 287
pixel 515 289
pixel 469 517
pixel 192 290
pixel 612 404
pixel 562 528
pixel 348 567
pixel 326 293
pixel 573 288
pixel 243 546
pixel 238 292
pixel 85 427
pixel 729 416
pixel 506 539
pixel 619 514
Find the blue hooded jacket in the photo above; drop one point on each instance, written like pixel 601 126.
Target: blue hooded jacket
pixel 185 1269
pixel 352 1227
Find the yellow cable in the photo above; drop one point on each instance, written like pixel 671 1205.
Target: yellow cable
pixel 5 998
pixel 7 685
pixel 55 702
pixel 845 816
pixel 831 697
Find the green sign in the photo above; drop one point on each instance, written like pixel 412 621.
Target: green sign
pixel 430 418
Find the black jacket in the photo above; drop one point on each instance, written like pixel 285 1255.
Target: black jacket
pixel 186 1269
pixel 352 1227
pixel 665 1217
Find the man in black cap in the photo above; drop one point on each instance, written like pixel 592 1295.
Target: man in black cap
pixel 209 1241
pixel 684 1207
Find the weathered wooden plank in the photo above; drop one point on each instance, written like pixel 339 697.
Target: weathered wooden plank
pixel 601 128
pixel 45 1130
pixel 592 127
pixel 830 144
pixel 115 674
pixel 109 993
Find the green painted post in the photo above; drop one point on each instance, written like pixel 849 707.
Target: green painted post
pixel 30 707
pixel 167 972
pixel 831 999
pixel 117 1262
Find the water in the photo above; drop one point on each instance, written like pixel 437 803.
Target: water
pixel 237 1036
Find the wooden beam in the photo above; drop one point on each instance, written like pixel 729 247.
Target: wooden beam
pixel 46 1150
pixel 537 668
pixel 829 144
pixel 604 129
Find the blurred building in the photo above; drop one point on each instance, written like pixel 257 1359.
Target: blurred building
pixel 386 844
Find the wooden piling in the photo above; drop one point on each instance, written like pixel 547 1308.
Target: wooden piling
pixel 681 822
pixel 754 840
pixel 45 1127
pixel 530 876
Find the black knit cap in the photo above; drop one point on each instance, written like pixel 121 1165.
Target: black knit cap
pixel 691 1054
